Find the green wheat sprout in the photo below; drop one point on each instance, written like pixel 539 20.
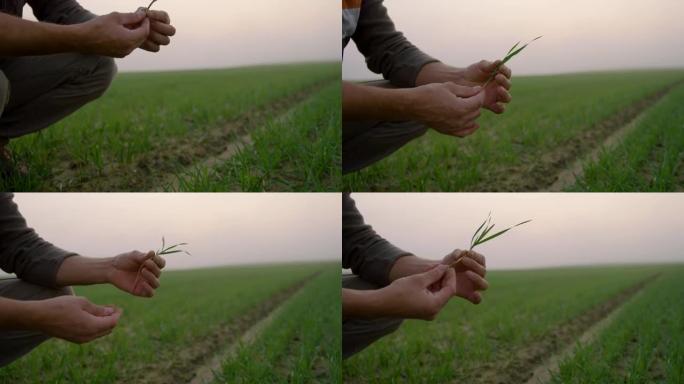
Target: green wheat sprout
pixel 164 250
pixel 482 234
pixel 151 4
pixel 514 51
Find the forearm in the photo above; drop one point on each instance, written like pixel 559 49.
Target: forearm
pixel 363 102
pixel 439 72
pixel 17 315
pixel 25 38
pixel 79 270
pixel 410 265
pixel 362 304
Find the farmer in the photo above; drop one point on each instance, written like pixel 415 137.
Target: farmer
pixel 40 304
pixel 419 91
pixel 51 68
pixel 390 285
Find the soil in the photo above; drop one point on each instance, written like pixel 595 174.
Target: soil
pixel 522 363
pixel 187 362
pixel 535 174
pixel 154 169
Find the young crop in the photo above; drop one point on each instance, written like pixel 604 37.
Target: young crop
pixel 151 4
pixel 482 235
pixel 514 51
pixel 164 250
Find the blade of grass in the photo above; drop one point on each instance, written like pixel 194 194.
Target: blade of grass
pixel 511 54
pixel 151 4
pixel 482 241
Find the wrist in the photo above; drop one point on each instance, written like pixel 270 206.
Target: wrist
pixel 75 38
pixel 79 270
pixel 409 265
pixel 439 72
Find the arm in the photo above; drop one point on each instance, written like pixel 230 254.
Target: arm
pixel 63 12
pixel 23 252
pixel 363 102
pixel 364 251
pixel 134 272
pixel 420 296
pixel 70 318
pixel 111 35
pixel 387 51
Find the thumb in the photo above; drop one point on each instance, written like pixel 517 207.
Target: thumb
pixel 98 310
pixel 448 286
pixel 489 66
pixel 434 275
pixel 142 257
pixel 132 18
pixel 463 91
pixel 474 102
pixel 141 31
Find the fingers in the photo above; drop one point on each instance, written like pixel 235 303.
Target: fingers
pixel 159 16
pixel 162 28
pixel 134 18
pixel 497 108
pixel 160 261
pixel 503 81
pixel 158 39
pixel 475 298
pixel 144 289
pixel 152 267
pixel 150 278
pixel 478 257
pixel 467 130
pixel 96 310
pixel 503 95
pixel 474 266
pixel 504 70
pixel 463 91
pixel 433 275
pixel 480 283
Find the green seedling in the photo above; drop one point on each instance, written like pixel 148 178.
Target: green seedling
pixel 164 250
pixel 482 235
pixel 514 51
pixel 151 4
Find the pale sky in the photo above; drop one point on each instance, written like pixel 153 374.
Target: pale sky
pixel 222 229
pixel 579 35
pixel 568 229
pixel 220 33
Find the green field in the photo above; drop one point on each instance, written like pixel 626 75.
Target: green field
pixel 552 122
pixel 195 315
pixel 254 128
pixel 528 316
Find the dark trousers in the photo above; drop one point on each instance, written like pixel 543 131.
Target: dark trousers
pixel 357 334
pixel 15 344
pixel 367 142
pixel 38 91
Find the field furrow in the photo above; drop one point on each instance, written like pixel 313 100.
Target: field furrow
pixel 150 125
pixel 648 159
pixel 163 340
pixel 552 122
pixel 643 345
pixel 525 317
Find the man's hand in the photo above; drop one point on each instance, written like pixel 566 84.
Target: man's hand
pixel 136 273
pixel 420 296
pixel 496 92
pixel 114 35
pixel 470 273
pixel 448 108
pixel 72 318
pixel 160 31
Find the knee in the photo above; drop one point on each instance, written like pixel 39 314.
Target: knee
pixel 391 325
pixel 104 73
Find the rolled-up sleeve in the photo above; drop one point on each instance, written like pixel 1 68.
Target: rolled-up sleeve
pixel 22 251
pixel 65 12
pixel 387 50
pixel 367 254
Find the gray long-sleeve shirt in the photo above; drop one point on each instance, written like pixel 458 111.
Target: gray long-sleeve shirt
pixel 387 50
pixel 363 250
pixel 52 11
pixel 22 251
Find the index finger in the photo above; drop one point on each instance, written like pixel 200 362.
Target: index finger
pixel 160 16
pixel 478 257
pixel 504 70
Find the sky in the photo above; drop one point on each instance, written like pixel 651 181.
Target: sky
pixel 219 33
pixel 221 229
pixel 567 229
pixel 579 35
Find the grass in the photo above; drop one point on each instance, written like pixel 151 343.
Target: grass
pixel 157 335
pixel 645 343
pixel 649 159
pixel 466 342
pixel 298 152
pixel 301 345
pixel 150 126
pixel 551 121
